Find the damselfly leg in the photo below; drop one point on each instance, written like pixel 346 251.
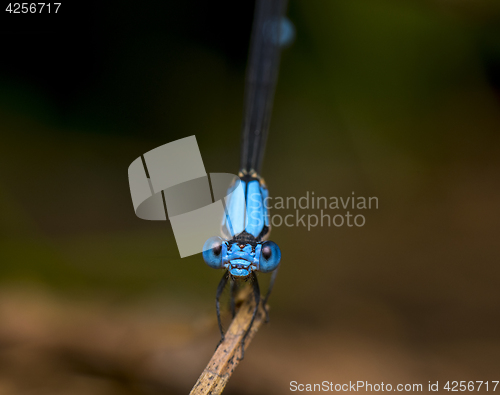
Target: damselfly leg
pixel 220 289
pixel 233 296
pixel 271 285
pixel 256 294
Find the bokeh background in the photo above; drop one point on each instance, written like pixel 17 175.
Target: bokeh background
pixel 398 99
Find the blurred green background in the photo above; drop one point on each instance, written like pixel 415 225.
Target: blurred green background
pixel 394 99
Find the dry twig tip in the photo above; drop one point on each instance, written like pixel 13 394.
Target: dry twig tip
pixel 227 356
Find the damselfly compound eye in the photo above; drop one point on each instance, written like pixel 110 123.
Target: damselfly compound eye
pixel 212 252
pixel 270 257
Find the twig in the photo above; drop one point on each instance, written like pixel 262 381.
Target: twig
pixel 227 356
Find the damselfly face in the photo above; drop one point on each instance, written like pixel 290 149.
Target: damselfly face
pixel 241 259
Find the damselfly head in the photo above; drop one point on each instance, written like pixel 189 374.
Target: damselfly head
pixel 241 259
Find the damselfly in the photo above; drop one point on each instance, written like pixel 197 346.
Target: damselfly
pixel 243 248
